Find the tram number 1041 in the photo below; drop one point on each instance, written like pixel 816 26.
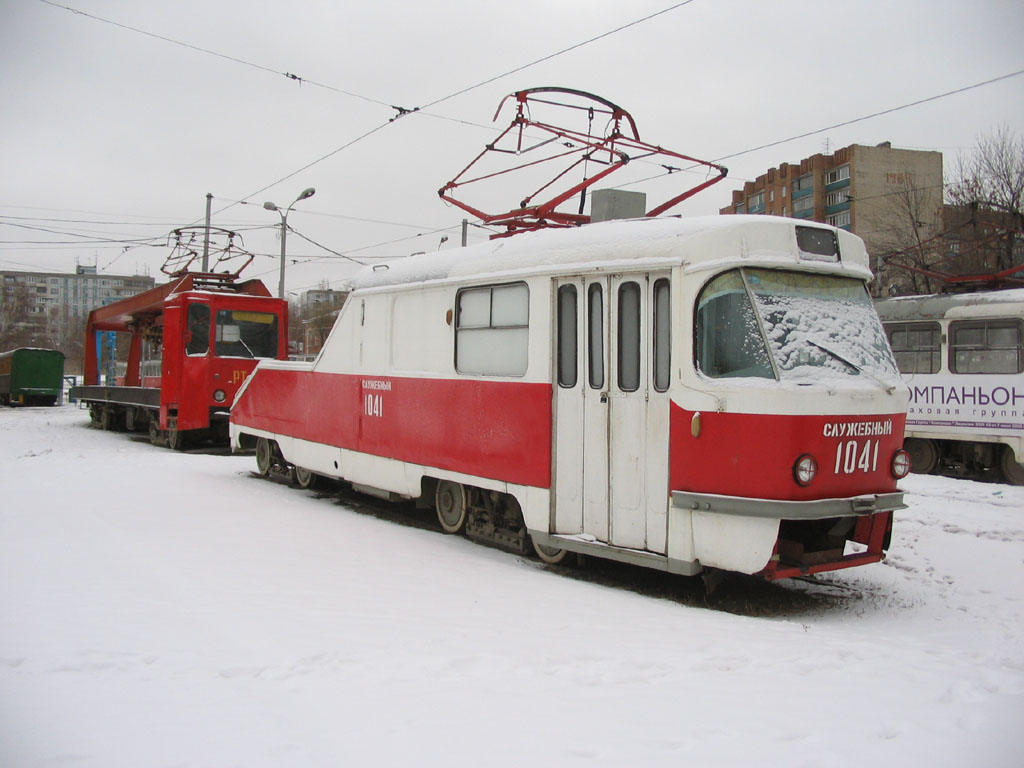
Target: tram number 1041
pixel 853 456
pixel 373 405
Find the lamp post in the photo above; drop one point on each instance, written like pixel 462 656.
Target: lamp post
pixel 308 192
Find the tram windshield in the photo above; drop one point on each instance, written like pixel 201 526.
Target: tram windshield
pixel 246 334
pixel 791 326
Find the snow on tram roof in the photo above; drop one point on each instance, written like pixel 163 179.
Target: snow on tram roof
pixel 616 245
pixel 953 305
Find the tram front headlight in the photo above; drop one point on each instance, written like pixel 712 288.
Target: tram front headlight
pixel 220 396
pixel 900 464
pixel 804 469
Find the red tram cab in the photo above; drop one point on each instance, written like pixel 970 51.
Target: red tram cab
pixel 687 395
pixel 193 341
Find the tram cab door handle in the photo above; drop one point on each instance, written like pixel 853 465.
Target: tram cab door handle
pixel 604 397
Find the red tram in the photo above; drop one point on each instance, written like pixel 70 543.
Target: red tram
pixel 688 395
pixel 193 341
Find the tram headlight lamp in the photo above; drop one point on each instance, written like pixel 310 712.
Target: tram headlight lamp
pixel 900 464
pixel 219 396
pixel 804 469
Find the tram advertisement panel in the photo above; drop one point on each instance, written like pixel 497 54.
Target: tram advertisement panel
pixel 993 403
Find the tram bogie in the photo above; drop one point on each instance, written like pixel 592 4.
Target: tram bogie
pixel 683 395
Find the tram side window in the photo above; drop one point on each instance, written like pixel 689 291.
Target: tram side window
pixel 568 370
pixel 986 346
pixel 197 340
pixel 915 346
pixel 492 330
pixel 728 339
pixel 246 334
pixel 595 335
pixel 662 336
pixel 629 337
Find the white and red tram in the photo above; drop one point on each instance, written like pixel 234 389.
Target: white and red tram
pixel 962 356
pixel 683 394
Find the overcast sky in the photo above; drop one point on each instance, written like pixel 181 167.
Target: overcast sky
pixel 112 136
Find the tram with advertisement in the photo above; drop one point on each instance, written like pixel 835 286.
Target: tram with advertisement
pixel 962 356
pixel 690 395
pixel 191 343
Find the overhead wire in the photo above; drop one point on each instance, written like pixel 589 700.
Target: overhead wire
pixel 309 212
pixel 210 52
pixel 48 230
pixel 889 111
pixel 842 124
pixel 401 111
pixel 550 56
pixel 415 110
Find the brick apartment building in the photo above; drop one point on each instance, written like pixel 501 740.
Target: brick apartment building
pixel 892 198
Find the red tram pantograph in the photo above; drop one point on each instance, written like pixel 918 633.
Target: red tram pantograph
pixel 537 142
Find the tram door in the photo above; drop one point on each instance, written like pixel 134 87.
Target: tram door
pixel 611 406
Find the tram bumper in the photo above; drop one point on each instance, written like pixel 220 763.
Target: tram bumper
pixel 777 509
pixel 777 538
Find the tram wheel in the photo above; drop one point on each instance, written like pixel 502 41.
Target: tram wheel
pixel 1012 471
pixel 924 455
pixel 154 431
pixel 450 501
pixel 177 440
pixel 264 457
pixel 550 555
pixel 304 478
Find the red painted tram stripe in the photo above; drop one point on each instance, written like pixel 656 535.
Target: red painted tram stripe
pixel 493 429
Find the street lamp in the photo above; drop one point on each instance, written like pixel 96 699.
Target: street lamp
pixel 308 192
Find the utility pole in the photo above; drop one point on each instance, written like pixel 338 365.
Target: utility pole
pixel 206 240
pixel 465 232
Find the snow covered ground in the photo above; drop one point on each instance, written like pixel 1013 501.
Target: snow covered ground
pixel 161 609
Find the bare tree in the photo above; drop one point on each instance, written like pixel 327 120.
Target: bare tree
pixel 71 341
pixel 18 327
pixel 908 238
pixel 988 188
pixel 294 328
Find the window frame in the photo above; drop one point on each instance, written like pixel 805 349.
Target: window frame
pixel 460 330
pixel 835 175
pixel 190 337
pixel 803 204
pixel 225 316
pixel 568 348
pixel 934 352
pixel 661 326
pixel 986 325
pixel 802 182
pixel 635 349
pixel 839 219
pixel 595 336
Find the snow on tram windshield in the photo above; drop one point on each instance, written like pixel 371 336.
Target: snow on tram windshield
pixel 804 325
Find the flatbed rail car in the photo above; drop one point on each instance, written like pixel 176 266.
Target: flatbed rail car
pixel 962 355
pixel 201 334
pixel 688 395
pixel 31 376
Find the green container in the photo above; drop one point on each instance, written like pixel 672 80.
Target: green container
pixel 30 376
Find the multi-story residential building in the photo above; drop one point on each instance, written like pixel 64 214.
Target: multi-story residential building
pixel 891 197
pixel 318 309
pixel 320 298
pixel 42 308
